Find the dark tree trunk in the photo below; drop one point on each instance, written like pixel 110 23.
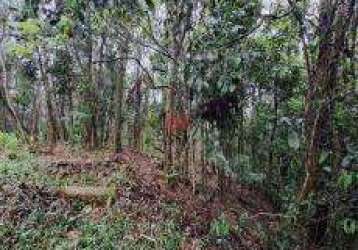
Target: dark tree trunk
pixel 272 138
pixel 319 103
pixel 137 126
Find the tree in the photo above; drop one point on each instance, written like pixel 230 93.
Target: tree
pixel 334 22
pixel 4 95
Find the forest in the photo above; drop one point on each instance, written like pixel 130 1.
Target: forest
pixel 178 124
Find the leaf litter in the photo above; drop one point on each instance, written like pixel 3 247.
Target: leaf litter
pixel 144 198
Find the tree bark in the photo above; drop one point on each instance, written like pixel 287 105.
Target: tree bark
pixel 2 112
pixel 137 126
pixel 52 128
pixel 177 28
pixel 4 97
pixel 35 116
pixel 319 102
pixel 118 98
pixel 91 101
pixel 272 137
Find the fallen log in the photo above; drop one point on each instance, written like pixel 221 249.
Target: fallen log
pixel 98 195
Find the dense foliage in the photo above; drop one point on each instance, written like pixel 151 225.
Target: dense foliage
pixel 255 93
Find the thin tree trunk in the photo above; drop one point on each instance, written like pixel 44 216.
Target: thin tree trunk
pixel 145 116
pixel 64 134
pixel 352 49
pixel 100 76
pixel 272 138
pixel 2 112
pixel 70 110
pixel 91 101
pixel 118 98
pixel 137 126
pixel 52 128
pixel 35 116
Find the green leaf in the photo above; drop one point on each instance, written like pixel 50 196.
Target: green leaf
pixel 20 50
pixel 295 104
pixel 323 157
pixel 65 26
pixel 293 140
pixel 350 226
pixel 30 27
pixel 220 227
pixel 345 180
pixel 150 4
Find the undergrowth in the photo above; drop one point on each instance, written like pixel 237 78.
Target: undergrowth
pixel 69 226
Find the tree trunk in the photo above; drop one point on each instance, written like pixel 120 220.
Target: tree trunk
pixel 70 111
pixel 35 115
pixel 352 49
pixel 167 133
pixel 4 97
pixel 137 126
pixel 52 128
pixel 2 112
pixel 63 134
pixel 91 101
pixel 319 101
pixel 118 98
pixel 272 138
pixel 177 26
pixel 145 117
pixel 100 79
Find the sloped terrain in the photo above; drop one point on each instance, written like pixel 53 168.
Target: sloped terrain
pixel 131 200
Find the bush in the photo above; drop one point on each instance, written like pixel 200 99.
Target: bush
pixel 220 227
pixel 8 142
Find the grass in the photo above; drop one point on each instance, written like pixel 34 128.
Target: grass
pixel 69 223
pixel 75 228
pixel 111 232
pixel 25 168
